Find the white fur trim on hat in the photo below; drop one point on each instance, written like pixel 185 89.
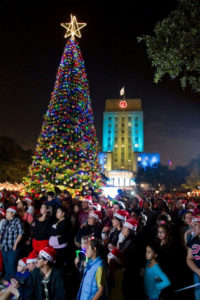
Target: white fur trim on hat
pixel 11 209
pixel 22 263
pixel 92 214
pixel 130 226
pixel 31 260
pixel 196 219
pixel 46 255
pixel 118 216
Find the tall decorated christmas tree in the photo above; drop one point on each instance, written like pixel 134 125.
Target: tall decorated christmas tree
pixel 66 153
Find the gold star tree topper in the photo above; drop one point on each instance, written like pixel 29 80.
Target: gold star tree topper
pixel 73 28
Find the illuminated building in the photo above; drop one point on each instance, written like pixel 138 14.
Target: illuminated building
pixel 122 139
pixel 123 142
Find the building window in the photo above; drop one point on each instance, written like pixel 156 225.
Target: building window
pixel 122 119
pixel 136 117
pixel 139 158
pixel 109 138
pixel 129 124
pixel 122 131
pixel 122 139
pixel 129 118
pixel 122 124
pixel 109 125
pixel 136 145
pixel 136 139
pixel 136 124
pixel 109 118
pixel 109 131
pixel 115 160
pixel 116 119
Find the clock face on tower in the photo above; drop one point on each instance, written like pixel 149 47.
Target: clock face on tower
pixel 123 104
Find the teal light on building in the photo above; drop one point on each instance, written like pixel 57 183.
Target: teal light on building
pixel 123 132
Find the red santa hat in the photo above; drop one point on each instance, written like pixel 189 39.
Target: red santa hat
pixel 89 201
pixel 23 262
pixel 12 209
pixel 48 253
pixel 97 206
pixel 2 212
pixel 32 257
pixel 28 198
pixel 131 224
pixel 115 254
pixel 14 196
pixel 121 215
pixel 96 214
pixel 196 219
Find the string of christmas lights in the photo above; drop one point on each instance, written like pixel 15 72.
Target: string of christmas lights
pixel 66 153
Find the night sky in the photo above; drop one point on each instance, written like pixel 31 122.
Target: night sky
pixel 32 43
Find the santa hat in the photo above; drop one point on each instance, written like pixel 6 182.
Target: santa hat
pixel 121 215
pixel 131 224
pixel 23 262
pixel 48 253
pixel 90 203
pixel 116 254
pixel 192 203
pixel 12 209
pixel 2 212
pixel 97 206
pixel 32 257
pixel 196 219
pixel 96 214
pixel 14 196
pixel 28 198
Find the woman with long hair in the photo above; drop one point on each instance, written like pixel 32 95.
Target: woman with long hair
pixel 41 228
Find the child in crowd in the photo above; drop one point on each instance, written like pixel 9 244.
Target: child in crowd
pixel 155 279
pixel 115 275
pixel 22 276
pixel 93 285
pixel 80 260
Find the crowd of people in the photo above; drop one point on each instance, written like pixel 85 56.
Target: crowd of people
pixel 92 247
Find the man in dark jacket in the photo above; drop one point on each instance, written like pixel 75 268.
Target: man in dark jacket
pixel 46 282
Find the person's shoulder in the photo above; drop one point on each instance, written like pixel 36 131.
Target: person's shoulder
pixel 194 240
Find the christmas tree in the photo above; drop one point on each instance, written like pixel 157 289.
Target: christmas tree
pixel 66 153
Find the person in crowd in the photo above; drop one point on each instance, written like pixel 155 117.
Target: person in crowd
pixel 93 227
pixel 83 213
pixel 150 213
pixel 45 281
pixel 41 228
pixel 117 223
pixel 93 284
pixel 29 201
pixel 155 280
pixel 115 275
pixel 10 236
pixel 53 201
pixel 59 236
pixel 186 230
pixel 2 221
pixel 81 260
pixel 22 210
pixel 22 276
pixel 193 255
pixel 31 261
